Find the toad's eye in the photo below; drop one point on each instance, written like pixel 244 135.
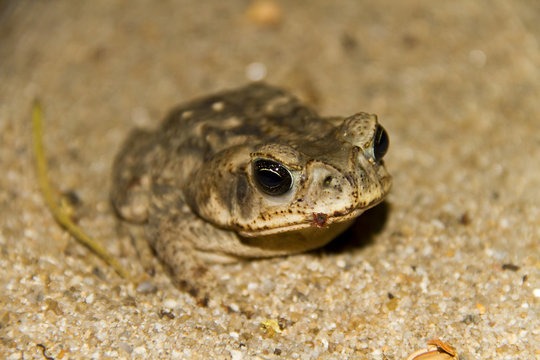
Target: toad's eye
pixel 380 143
pixel 272 177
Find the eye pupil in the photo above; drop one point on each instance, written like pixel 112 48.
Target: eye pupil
pixel 380 143
pixel 269 177
pixel 272 177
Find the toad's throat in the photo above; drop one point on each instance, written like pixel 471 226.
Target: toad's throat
pixel 298 240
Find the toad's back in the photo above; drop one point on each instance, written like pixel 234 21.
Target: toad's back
pixel 250 115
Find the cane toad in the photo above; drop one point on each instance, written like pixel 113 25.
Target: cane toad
pixel 250 172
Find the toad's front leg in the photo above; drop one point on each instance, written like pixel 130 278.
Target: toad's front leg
pixel 187 245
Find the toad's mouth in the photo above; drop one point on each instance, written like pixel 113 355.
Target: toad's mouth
pixel 316 221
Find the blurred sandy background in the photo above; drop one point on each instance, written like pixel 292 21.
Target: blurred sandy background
pixel 453 254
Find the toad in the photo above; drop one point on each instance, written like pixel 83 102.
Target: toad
pixel 246 173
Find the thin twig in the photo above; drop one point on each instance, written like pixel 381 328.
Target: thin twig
pixel 61 217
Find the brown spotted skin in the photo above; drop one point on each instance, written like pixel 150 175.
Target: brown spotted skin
pixel 191 183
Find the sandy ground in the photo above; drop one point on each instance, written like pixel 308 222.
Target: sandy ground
pixel 453 254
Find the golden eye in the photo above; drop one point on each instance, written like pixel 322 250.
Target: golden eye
pixel 380 143
pixel 272 177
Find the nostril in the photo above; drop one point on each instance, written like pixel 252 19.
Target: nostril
pixel 327 181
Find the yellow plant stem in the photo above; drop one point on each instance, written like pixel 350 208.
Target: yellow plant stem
pixel 48 194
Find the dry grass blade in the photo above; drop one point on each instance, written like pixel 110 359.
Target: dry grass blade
pixel 48 194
